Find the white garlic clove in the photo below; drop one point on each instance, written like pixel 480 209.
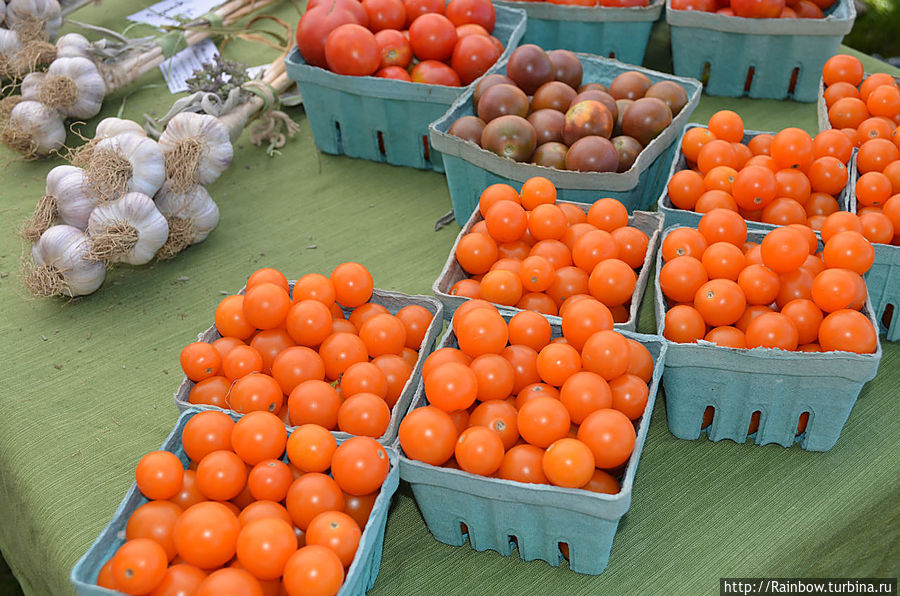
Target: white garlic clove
pixel 128 230
pixel 73 205
pixel 31 86
pixel 112 127
pixel 61 265
pixel 72 45
pixel 22 14
pixel 125 163
pixel 197 148
pixel 34 129
pixel 192 215
pixel 74 87
pixel 9 43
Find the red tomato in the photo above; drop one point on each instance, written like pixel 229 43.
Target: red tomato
pixel 480 12
pixel 393 72
pixel 394 48
pixel 432 37
pixel 624 3
pixel 432 72
pixel 416 8
pixel 472 56
pixel 352 50
pixel 757 9
pixel 313 30
pixel 385 14
pixel 471 29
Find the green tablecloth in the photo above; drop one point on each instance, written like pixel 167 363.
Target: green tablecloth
pixel 86 389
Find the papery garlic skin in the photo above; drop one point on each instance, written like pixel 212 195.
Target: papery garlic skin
pixel 64 250
pixel 2 11
pixel 113 127
pixel 197 148
pixel 145 157
pixel 31 86
pixel 139 211
pixel 66 185
pixel 9 43
pixel 34 129
pixel 19 13
pixel 87 99
pixel 73 45
pixel 195 206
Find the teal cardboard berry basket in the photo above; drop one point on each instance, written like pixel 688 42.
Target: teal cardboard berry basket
pixel 760 58
pixel 503 515
pixel 470 169
pixel 359 578
pixel 780 385
pixel 383 119
pixel 616 32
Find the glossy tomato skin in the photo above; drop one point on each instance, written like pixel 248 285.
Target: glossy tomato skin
pixel 432 37
pixel 393 72
pixel 432 72
pixel 313 29
pixel 352 50
pixel 479 12
pixel 758 9
pixel 385 14
pixel 472 56
pixel 416 8
pixel 393 48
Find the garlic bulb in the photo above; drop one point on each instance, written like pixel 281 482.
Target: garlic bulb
pixel 197 149
pixel 39 19
pixel 61 264
pixel 128 230
pixel 64 200
pixel 192 215
pixel 74 87
pixel 72 45
pixel 34 129
pixel 125 163
pixel 112 127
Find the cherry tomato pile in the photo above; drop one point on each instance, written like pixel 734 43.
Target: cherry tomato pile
pixel 422 41
pixel 612 3
pixel 301 359
pixel 788 178
pixel 565 124
pixel 534 254
pixel 240 520
pixel 760 9
pixel 868 112
pixel 513 403
pixel 779 293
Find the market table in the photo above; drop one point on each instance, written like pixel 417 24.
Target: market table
pixel 86 387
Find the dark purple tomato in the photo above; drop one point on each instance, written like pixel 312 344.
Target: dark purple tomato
pixel 645 119
pixel 587 118
pixel 550 155
pixel 553 95
pixel 627 149
pixel 593 86
pixel 510 136
pixel 468 128
pixel 548 124
pixel 566 67
pixel 501 100
pixel 592 154
pixel 597 95
pixel 486 83
pixel 530 67
pixel 630 85
pixel 670 92
pixel 621 105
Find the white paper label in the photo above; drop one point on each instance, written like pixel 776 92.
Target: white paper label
pixel 171 12
pixel 180 67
